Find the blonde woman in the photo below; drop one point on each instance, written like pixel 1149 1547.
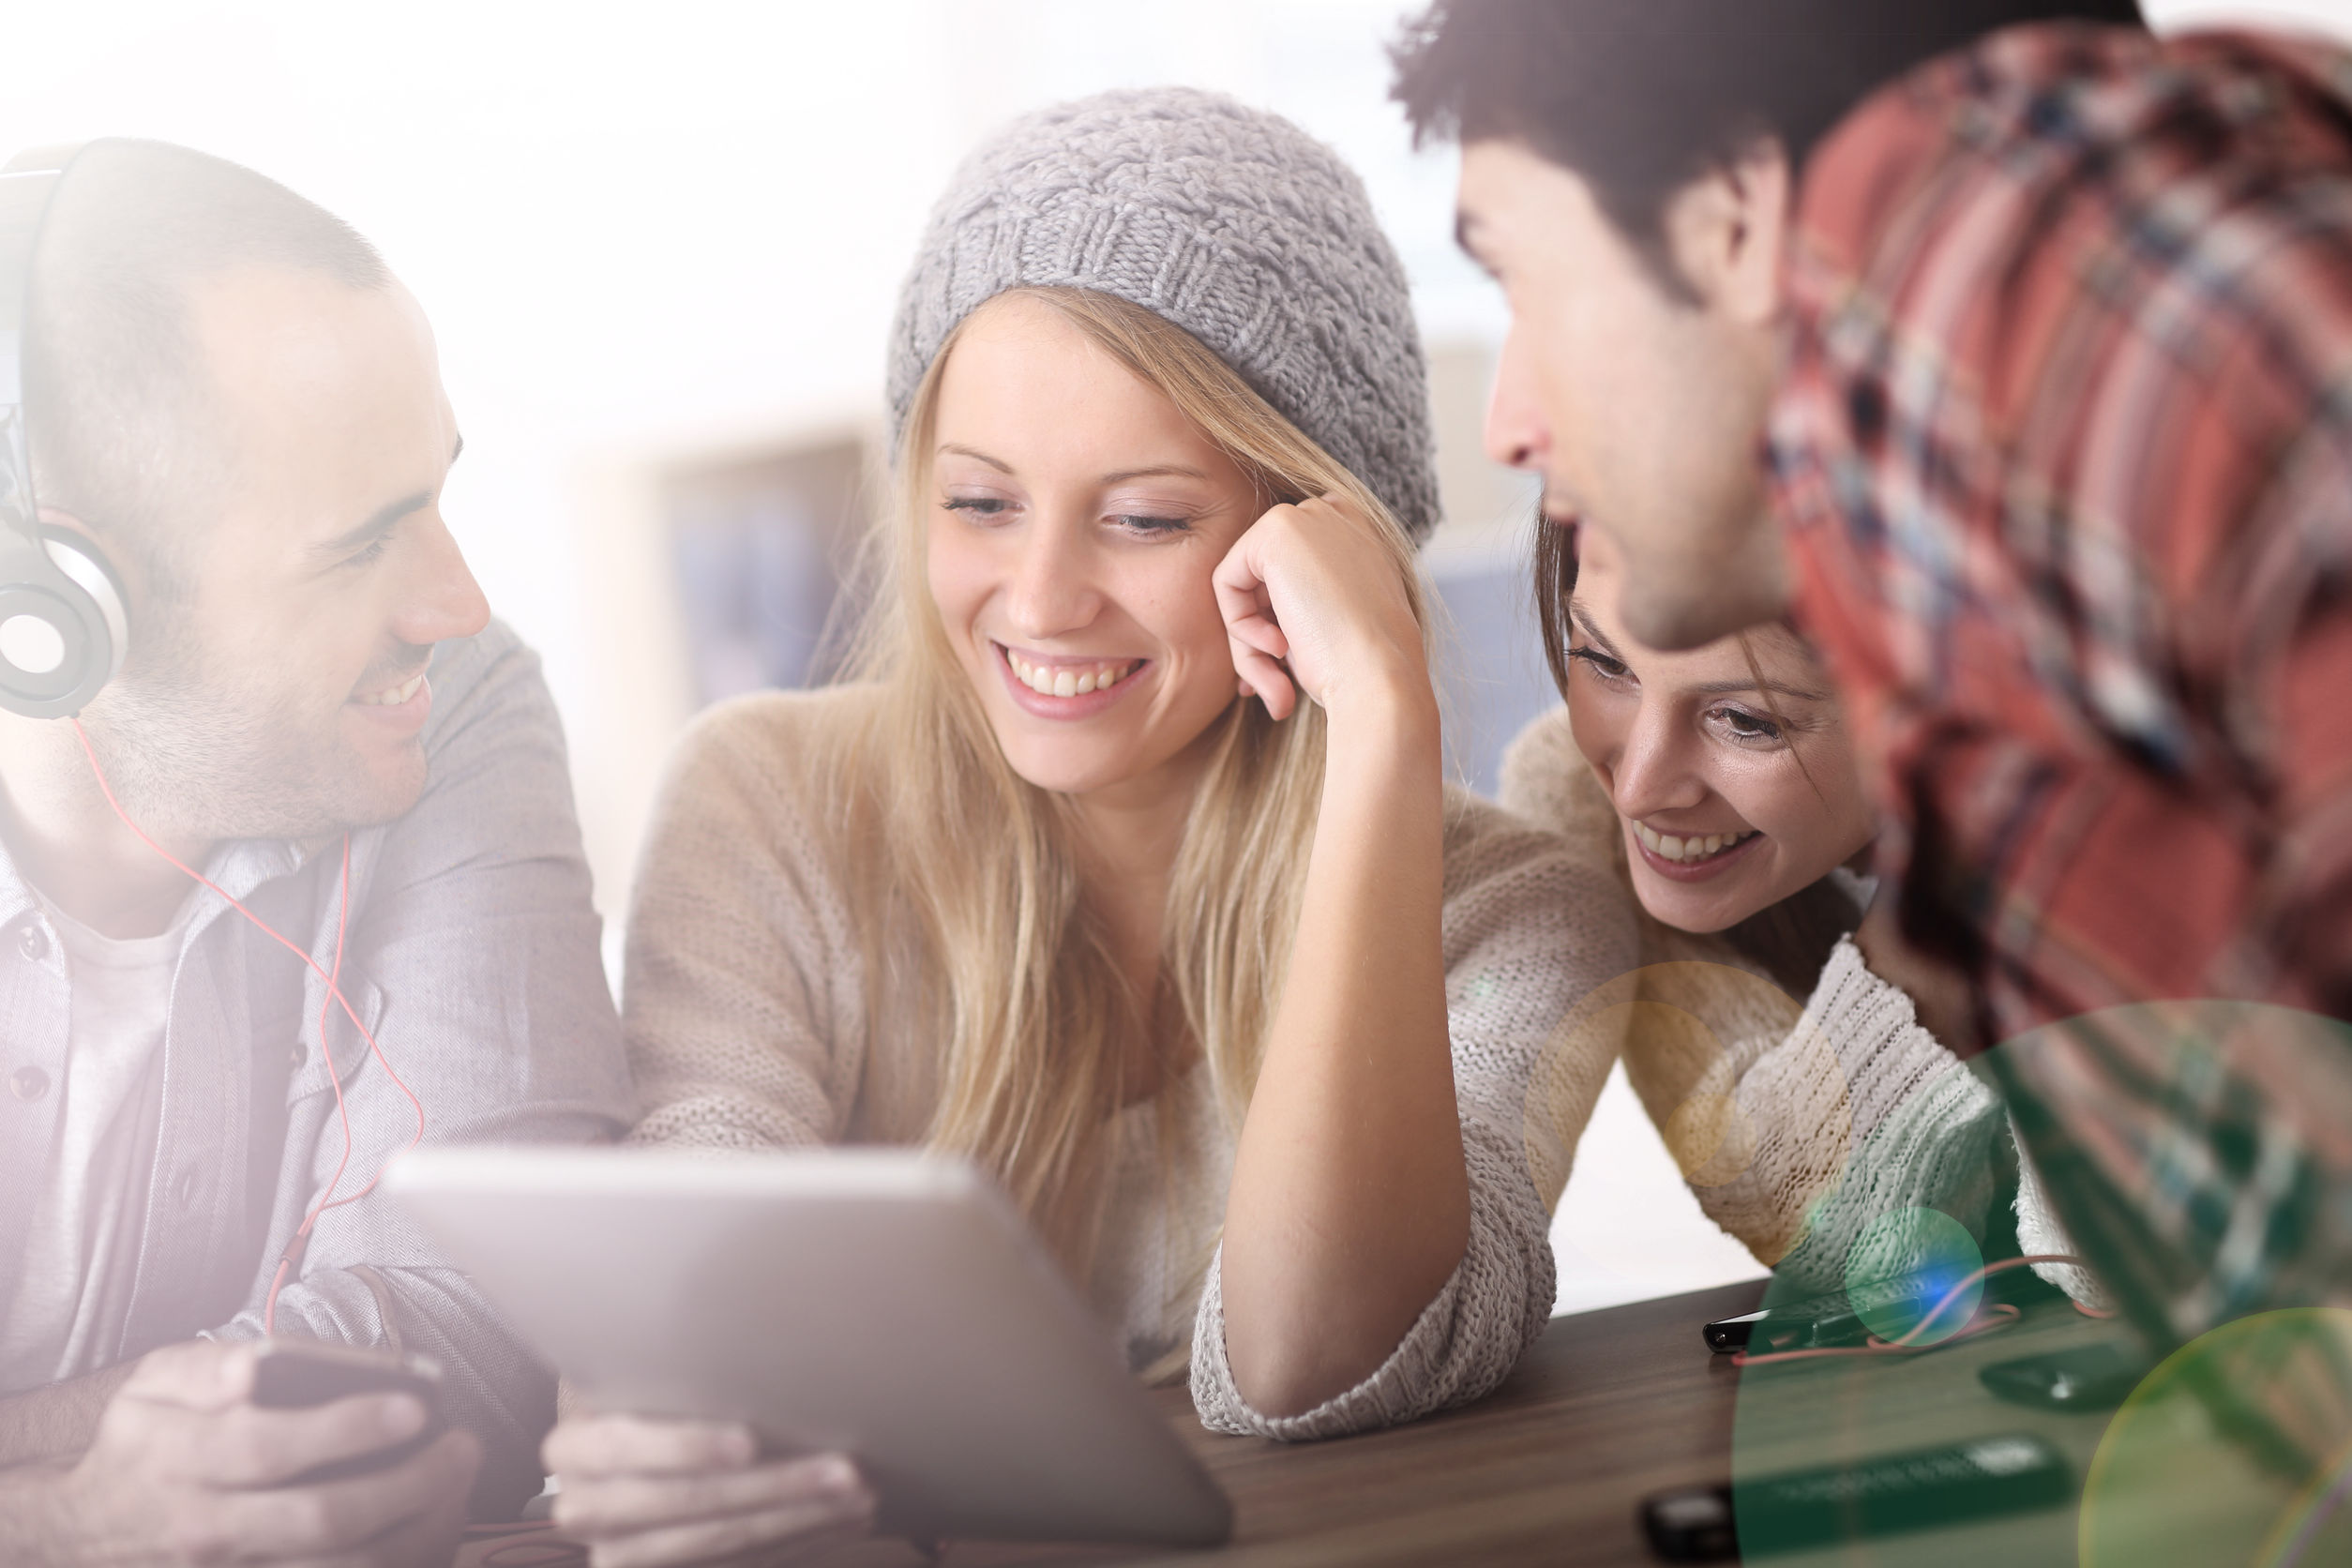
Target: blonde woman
pixel 1126 868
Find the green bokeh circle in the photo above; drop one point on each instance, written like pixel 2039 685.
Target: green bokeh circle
pixel 1922 1247
pixel 2230 1451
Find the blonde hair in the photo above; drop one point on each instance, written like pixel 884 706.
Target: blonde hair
pixel 949 844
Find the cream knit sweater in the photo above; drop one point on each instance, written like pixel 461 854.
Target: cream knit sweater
pixel 746 1011
pixel 1797 1124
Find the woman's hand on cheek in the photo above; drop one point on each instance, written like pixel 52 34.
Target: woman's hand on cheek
pixel 1309 585
pixel 643 1493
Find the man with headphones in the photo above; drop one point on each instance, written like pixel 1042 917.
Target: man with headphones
pixel 290 877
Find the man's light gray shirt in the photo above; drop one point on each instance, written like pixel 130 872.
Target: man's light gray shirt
pixel 81 1250
pixel 472 955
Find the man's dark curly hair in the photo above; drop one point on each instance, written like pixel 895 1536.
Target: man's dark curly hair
pixel 1641 97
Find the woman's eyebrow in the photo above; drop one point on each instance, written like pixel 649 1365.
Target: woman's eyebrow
pixel 1154 470
pixel 1158 471
pixel 949 448
pixel 1727 688
pixel 1583 618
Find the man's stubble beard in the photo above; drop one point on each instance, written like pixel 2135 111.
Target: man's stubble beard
pixel 1709 588
pixel 191 756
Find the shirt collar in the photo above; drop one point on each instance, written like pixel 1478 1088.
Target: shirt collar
pixel 238 867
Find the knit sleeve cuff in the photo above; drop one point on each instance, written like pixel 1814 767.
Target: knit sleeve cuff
pixel 1464 1343
pixel 2039 1231
pixel 1872 1028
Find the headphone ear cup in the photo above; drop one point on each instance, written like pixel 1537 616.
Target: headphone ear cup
pixel 81 561
pixel 63 625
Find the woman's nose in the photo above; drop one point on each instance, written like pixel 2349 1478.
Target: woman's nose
pixel 1052 590
pixel 1655 769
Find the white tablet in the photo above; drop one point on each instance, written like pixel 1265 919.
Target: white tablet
pixel 881 1302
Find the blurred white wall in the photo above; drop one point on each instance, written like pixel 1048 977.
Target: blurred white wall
pixel 647 227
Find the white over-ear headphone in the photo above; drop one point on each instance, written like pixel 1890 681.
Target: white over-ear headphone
pixel 63 626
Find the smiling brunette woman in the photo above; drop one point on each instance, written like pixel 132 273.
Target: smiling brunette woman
pixel 1126 867
pixel 1812 1114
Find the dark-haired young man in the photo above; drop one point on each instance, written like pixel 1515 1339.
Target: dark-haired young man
pixel 232 402
pixel 2011 346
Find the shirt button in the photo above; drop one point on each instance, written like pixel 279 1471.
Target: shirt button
pixel 33 943
pixel 187 1193
pixel 29 1083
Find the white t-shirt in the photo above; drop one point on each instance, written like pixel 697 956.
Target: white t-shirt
pixel 66 1312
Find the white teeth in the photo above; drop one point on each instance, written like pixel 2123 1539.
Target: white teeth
pixel 1066 682
pixel 394 697
pixel 1668 846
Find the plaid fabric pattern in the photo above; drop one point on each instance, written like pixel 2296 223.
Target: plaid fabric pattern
pixel 2065 454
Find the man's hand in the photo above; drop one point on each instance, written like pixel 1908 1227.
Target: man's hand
pixel 665 1494
pixel 187 1470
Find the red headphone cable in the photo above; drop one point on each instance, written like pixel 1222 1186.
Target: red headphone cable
pixel 291 1258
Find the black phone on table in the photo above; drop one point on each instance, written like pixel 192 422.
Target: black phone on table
pixel 1726 1335
pixel 1819 1323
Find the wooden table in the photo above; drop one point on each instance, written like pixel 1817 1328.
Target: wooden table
pixel 1607 1409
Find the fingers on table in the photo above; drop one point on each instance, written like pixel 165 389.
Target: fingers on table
pixel 625 1445
pixel 825 1488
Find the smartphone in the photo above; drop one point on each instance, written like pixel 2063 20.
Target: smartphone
pixel 301 1374
pixel 1813 1324
pixel 1818 1322
pixel 1726 1335
pixel 1959 1483
pixel 2089 1378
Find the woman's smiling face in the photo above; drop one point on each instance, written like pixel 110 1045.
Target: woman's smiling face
pixel 1703 763
pixel 1075 515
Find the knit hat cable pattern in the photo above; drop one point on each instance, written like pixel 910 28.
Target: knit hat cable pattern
pixel 1230 221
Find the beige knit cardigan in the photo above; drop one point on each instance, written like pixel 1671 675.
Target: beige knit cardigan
pixel 745 1009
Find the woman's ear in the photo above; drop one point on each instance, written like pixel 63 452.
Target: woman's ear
pixel 1725 232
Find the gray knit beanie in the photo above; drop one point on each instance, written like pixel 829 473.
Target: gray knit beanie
pixel 1232 223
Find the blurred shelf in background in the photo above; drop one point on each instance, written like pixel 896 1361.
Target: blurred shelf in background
pixel 710 571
